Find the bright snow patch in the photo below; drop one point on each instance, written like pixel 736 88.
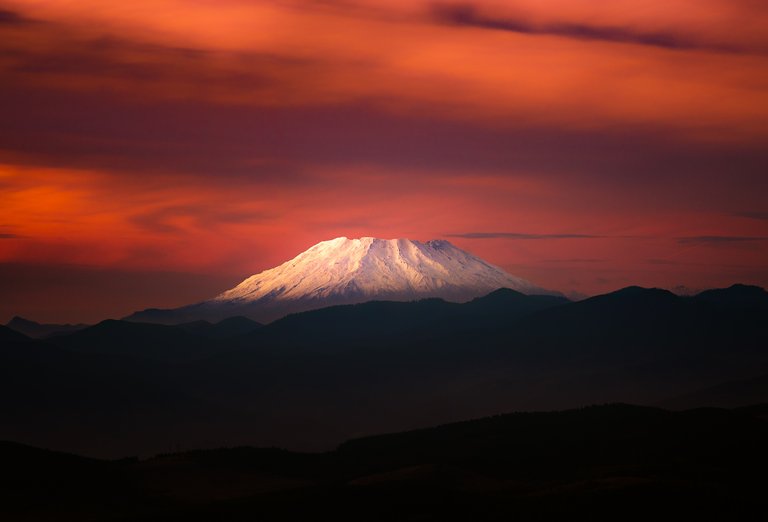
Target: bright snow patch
pixel 356 270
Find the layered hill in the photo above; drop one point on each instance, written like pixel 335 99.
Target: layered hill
pixel 313 379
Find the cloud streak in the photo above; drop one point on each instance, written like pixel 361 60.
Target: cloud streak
pixel 517 235
pixel 719 240
pixel 175 219
pixel 279 54
pixel 8 17
pixel 468 15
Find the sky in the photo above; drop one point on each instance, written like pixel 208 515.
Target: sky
pixel 156 152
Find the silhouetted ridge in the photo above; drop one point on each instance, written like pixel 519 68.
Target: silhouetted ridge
pixel 618 313
pixel 28 463
pixel 635 295
pixel 344 323
pixel 9 335
pixel 736 296
pixel 313 379
pixel 236 325
pixel 224 329
pixel 508 300
pixel 153 341
pixel 38 330
pixel 726 395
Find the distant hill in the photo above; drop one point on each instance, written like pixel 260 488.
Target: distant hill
pixel 744 297
pixel 9 336
pixel 224 329
pixel 726 395
pixel 584 464
pixel 38 330
pixel 152 341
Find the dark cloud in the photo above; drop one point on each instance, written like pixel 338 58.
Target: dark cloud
pixel 468 15
pixel 151 65
pixel 516 235
pixel 162 220
pixel 12 18
pixel 284 145
pixel 8 236
pixel 719 240
pixel 78 64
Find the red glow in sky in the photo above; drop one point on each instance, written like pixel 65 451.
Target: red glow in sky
pixel 156 152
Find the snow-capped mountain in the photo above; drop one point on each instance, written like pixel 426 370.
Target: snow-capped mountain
pixel 346 271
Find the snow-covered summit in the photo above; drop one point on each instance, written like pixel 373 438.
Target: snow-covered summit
pixel 355 270
pixel 349 271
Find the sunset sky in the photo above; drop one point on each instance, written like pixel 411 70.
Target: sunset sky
pixel 156 152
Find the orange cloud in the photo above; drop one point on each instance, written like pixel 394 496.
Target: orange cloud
pixel 172 222
pixel 581 144
pixel 97 219
pixel 563 63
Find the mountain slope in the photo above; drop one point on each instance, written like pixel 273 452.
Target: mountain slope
pixel 348 271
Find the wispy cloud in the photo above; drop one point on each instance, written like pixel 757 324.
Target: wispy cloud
pixel 8 236
pixel 575 260
pixel 12 18
pixel 204 52
pixel 464 14
pixel 517 235
pixel 174 219
pixel 719 240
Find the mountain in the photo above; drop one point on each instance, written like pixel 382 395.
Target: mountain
pixel 38 330
pixel 348 271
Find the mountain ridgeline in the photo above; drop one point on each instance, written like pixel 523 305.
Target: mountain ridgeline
pixel 314 379
pixel 39 331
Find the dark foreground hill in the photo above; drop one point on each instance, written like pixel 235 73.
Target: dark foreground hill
pixel 613 462
pixel 312 380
